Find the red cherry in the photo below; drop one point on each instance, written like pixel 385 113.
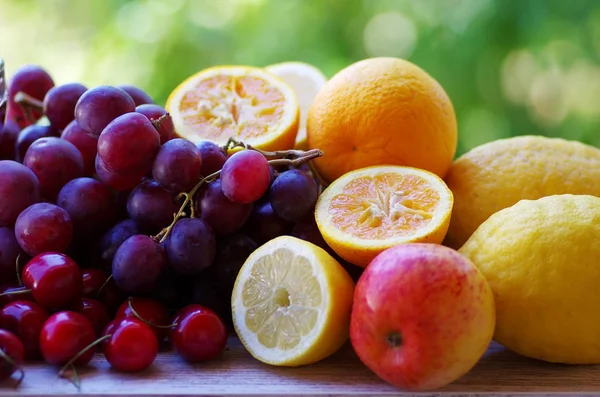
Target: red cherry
pixel 55 280
pixel 148 310
pixel 64 335
pixel 92 280
pixel 111 296
pixel 25 319
pixel 12 292
pixel 12 355
pixel 95 312
pixel 132 345
pixel 199 334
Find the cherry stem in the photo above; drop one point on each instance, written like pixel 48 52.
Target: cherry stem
pixel 142 319
pixel 158 122
pixel 71 362
pixel 19 280
pixel 301 157
pixel 104 285
pixel 16 366
pixel 17 292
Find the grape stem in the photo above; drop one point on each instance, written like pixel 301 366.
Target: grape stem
pixel 142 319
pixel 157 123
pixel 12 362
pixel 71 362
pixel 29 103
pixel 299 157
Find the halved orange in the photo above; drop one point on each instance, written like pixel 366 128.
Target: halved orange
pixel 371 209
pixel 243 102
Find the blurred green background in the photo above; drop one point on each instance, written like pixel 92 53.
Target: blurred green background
pixel 511 67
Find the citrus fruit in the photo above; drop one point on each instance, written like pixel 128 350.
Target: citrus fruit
pixel 540 257
pixel 291 303
pixel 374 208
pixel 382 111
pixel 498 174
pixel 306 80
pixel 243 102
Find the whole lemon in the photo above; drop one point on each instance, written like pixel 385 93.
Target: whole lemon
pixel 382 111
pixel 498 174
pixel 542 260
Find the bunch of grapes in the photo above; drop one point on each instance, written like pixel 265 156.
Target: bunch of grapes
pixel 107 214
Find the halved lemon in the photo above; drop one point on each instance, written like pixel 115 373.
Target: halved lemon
pixel 244 102
pixel 306 80
pixel 291 303
pixel 371 209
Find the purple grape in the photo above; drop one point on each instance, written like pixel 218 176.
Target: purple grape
pixel 90 205
pixel 264 225
pixel 29 135
pixel 113 238
pixel 59 103
pixel 190 246
pixel 129 144
pixel 177 166
pixel 212 157
pixel 19 188
pixel 138 95
pixel 100 105
pixel 223 215
pixel 55 162
pixel 232 252
pixel 138 264
pixel 44 227
pixel 9 252
pixel 34 81
pixel 164 125
pixel 119 181
pixel 308 230
pixel 8 139
pixel 85 143
pixel 151 206
pixel 204 291
pixel 293 195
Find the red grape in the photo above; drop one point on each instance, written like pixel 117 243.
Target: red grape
pixel 151 206
pixel 29 135
pixel 9 252
pixel 85 143
pixel 212 157
pixel 223 215
pixel 59 103
pixel 245 176
pixel 34 81
pixel 119 181
pixel 19 188
pixel 190 246
pixel 90 205
pixel 165 126
pixel 44 227
pixel 293 195
pixel 177 166
pixel 55 162
pixel 9 134
pixel 100 105
pixel 138 264
pixel 138 95
pixel 129 144
pixel 113 238
pixel 264 225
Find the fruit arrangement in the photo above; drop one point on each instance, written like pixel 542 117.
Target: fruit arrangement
pixel 295 212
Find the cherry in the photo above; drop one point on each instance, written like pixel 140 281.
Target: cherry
pixel 132 345
pixel 65 335
pixel 111 296
pixel 11 355
pixel 25 319
pixel 148 310
pixel 55 280
pixel 12 292
pixel 199 334
pixel 95 312
pixel 92 280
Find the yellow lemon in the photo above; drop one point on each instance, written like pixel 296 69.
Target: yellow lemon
pixel 541 259
pixel 498 174
pixel 291 303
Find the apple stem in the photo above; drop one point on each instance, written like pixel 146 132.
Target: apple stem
pixel 394 339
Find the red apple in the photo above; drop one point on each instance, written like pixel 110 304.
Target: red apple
pixel 423 315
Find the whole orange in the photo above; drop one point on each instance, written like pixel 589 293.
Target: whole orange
pixel 382 111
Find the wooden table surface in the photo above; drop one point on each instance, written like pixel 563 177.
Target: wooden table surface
pixel 500 372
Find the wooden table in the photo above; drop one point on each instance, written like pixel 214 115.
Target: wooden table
pixel 500 372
